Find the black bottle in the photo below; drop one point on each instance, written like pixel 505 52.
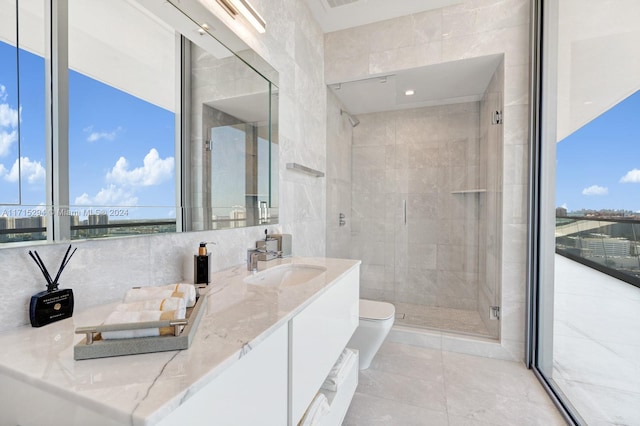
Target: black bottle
pixel 201 265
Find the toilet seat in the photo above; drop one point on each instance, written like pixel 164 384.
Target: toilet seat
pixel 373 310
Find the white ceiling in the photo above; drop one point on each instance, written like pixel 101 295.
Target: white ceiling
pixel 446 83
pixel 334 15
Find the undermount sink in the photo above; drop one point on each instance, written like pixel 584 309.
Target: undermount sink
pixel 286 275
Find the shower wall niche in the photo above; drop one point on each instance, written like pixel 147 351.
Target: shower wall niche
pixel 426 211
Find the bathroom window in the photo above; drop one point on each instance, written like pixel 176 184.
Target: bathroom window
pixel 22 121
pixel 122 101
pixel 121 142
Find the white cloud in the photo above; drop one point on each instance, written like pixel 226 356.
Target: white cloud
pixel 8 116
pixel 632 176
pixel 595 190
pixel 6 140
pixel 110 196
pixel 8 124
pixel 32 171
pixel 96 136
pixel 564 206
pixel 154 171
pixel 124 182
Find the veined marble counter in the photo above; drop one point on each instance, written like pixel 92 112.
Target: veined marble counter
pixel 143 389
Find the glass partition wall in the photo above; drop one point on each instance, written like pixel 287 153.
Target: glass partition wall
pixel 586 316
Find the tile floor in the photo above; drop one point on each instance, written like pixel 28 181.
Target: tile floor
pixel 409 385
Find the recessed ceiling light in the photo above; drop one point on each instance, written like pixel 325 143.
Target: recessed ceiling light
pixel 409 92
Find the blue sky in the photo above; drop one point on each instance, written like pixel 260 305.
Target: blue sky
pixel 598 166
pixel 121 148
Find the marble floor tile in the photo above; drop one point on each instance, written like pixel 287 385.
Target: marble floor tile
pixel 492 376
pixel 424 363
pixel 414 390
pixel 410 385
pixel 493 408
pixel 367 410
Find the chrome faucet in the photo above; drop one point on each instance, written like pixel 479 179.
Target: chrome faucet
pixel 252 257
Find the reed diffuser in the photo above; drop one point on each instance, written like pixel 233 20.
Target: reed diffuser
pixel 52 304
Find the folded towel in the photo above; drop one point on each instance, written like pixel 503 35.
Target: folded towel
pixel 185 291
pixel 124 317
pixel 169 304
pixel 318 409
pixel 339 370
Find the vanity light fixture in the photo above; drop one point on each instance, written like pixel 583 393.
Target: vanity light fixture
pixel 233 7
pixel 409 92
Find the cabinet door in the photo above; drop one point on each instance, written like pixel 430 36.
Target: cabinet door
pixel 251 392
pixel 318 336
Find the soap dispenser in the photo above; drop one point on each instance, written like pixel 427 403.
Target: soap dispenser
pixel 201 265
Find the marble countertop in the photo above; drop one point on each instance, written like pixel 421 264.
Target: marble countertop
pixel 143 389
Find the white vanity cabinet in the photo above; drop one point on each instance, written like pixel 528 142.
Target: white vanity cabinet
pixel 294 361
pixel 319 334
pixel 253 391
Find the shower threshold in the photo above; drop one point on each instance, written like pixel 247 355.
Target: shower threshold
pixel 441 319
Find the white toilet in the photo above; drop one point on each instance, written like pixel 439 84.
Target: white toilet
pixel 376 319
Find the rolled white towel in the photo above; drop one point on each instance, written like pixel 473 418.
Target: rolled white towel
pixel 188 290
pixel 318 409
pixel 168 304
pixel 339 370
pixel 148 293
pixel 125 317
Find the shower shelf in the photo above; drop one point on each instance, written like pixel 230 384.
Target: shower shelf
pixel 304 169
pixel 469 191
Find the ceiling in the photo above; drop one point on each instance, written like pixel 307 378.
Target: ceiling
pixel 334 15
pixel 445 83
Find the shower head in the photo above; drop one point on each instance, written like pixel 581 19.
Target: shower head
pixel 353 120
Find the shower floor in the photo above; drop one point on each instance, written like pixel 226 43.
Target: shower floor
pixel 442 319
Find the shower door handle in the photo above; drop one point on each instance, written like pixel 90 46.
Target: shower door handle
pixel 404 211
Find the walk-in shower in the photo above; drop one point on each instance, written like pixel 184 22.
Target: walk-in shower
pixel 426 192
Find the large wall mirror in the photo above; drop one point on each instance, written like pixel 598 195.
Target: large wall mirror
pixel 230 123
pixel 172 122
